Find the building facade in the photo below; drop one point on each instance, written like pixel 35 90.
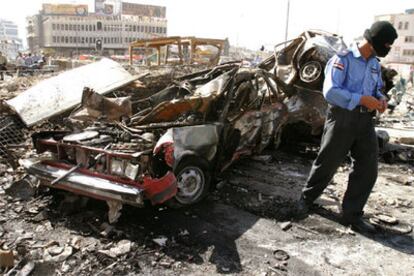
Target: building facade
pixel 68 32
pixel 403 48
pixel 10 43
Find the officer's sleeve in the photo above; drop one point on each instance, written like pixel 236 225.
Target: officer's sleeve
pixel 380 84
pixel 333 89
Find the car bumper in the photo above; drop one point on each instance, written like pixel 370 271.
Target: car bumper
pixel 83 184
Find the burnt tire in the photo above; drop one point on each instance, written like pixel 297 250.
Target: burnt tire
pixel 193 180
pixel 311 72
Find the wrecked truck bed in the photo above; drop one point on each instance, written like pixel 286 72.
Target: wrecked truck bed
pixel 171 147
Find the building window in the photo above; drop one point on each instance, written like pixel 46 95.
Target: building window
pixel 406 26
pixel 87 28
pixel 66 27
pixel 53 26
pixel 98 26
pixel 408 52
pixel 82 40
pixel 82 27
pixel 70 27
pixel 54 39
pixel 409 39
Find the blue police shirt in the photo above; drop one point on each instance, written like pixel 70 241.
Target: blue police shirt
pixel 348 76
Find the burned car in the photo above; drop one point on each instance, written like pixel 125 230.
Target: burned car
pixel 300 62
pixel 164 148
pixel 298 69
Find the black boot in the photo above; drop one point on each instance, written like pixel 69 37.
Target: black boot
pixel 361 226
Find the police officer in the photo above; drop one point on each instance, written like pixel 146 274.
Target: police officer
pixel 3 63
pixel 352 88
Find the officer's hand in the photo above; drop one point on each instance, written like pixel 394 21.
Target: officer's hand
pixel 384 105
pixel 370 102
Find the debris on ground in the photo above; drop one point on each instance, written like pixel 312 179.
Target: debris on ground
pixel 162 138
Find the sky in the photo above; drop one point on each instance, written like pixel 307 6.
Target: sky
pixel 247 23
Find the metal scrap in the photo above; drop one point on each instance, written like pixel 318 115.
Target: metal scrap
pixel 61 93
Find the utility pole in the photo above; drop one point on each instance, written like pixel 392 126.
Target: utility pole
pixel 287 20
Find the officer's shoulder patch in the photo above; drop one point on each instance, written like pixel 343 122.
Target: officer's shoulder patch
pixel 338 65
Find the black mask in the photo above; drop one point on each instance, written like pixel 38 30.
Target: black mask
pixel 380 34
pixel 382 52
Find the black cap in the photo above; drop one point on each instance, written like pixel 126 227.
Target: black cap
pixel 381 33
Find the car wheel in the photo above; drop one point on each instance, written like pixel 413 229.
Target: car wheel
pixel 193 182
pixel 311 72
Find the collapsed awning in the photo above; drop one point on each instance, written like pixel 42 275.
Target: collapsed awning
pixel 63 92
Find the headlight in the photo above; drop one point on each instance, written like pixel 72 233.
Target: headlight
pixel 124 169
pixel 117 167
pixel 131 171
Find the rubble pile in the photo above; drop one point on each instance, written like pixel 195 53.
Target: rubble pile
pixel 79 150
pixel 10 88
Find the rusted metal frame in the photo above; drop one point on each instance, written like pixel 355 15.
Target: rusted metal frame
pixel 136 116
pixel 180 51
pixel 269 88
pixel 270 76
pixel 263 100
pixel 96 150
pixel 167 54
pixel 243 112
pixel 131 54
pixel 217 59
pixel 192 50
pixel 158 55
pixel 230 94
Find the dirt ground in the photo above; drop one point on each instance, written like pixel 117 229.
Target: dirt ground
pixel 244 227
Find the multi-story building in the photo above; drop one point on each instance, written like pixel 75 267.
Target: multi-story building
pixel 70 29
pixel 10 43
pixel 403 48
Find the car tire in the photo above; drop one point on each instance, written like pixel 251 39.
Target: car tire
pixel 193 181
pixel 311 73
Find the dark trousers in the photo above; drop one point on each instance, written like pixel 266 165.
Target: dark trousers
pixel 2 69
pixel 346 131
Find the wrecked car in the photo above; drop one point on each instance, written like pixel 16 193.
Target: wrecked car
pixel 298 66
pixel 164 148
